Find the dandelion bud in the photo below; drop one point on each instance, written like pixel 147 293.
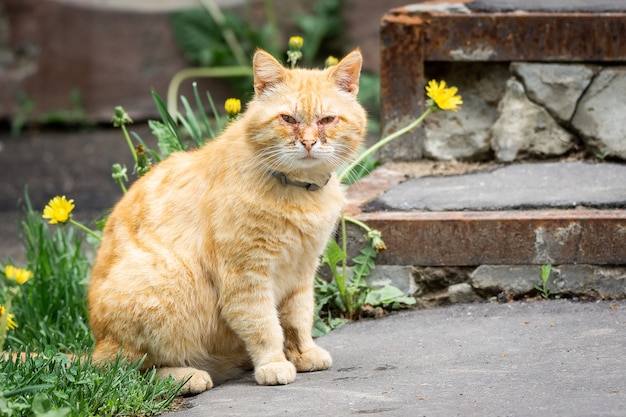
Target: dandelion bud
pixel 295 43
pixel 376 238
pixel 119 172
pixel 143 161
pixel 120 117
pixel 331 61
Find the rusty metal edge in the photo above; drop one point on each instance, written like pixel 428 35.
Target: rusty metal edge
pixel 501 238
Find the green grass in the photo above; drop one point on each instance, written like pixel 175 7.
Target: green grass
pixel 543 287
pixel 51 312
pixel 51 308
pixel 54 385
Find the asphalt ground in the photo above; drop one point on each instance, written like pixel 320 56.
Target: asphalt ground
pixel 554 358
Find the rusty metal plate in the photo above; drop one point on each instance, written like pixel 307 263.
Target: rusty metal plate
pixel 525 37
pixel 507 237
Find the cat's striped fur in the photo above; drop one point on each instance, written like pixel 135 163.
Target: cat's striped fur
pixel 207 263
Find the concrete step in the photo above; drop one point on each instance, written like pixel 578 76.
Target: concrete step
pixel 534 213
pixel 487 233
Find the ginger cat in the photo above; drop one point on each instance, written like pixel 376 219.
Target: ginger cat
pixel 207 264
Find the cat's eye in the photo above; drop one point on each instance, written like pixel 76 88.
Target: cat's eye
pixel 326 120
pixel 289 119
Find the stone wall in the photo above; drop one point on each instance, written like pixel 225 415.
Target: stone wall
pixel 529 110
pixel 437 286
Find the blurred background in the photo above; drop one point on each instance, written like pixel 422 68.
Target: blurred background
pixel 65 65
pixel 70 61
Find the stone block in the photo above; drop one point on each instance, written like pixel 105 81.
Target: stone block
pixel 565 280
pixel 396 275
pixel 517 280
pixel 463 293
pixel 557 87
pixel 464 134
pixel 460 135
pixel 603 282
pixel 525 129
pixel 430 280
pixel 600 114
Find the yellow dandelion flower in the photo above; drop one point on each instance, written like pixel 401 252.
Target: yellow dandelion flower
pixel 295 43
pixel 331 61
pixel 11 324
pixel 58 210
pixel 19 275
pixel 443 97
pixel 232 106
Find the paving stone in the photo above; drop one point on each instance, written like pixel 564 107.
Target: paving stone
pixel 551 185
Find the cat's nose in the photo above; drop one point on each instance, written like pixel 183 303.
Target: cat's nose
pixel 308 144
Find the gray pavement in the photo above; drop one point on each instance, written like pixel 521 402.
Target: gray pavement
pixel 595 6
pixel 541 358
pixel 554 185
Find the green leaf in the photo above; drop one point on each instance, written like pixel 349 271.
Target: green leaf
pixel 166 141
pixel 191 122
pixel 203 116
pixel 61 412
pixel 167 118
pixel 218 119
pixel 388 295
pixel 365 262
pixel 197 34
pixel 333 254
pixel 545 272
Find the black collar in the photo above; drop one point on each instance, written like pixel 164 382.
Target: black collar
pixel 286 181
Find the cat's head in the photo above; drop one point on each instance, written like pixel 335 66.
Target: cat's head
pixel 306 119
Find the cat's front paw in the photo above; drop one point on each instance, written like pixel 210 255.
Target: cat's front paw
pixel 197 381
pixel 314 359
pixel 275 373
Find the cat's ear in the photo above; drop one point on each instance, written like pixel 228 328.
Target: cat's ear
pixel 267 71
pixel 347 72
